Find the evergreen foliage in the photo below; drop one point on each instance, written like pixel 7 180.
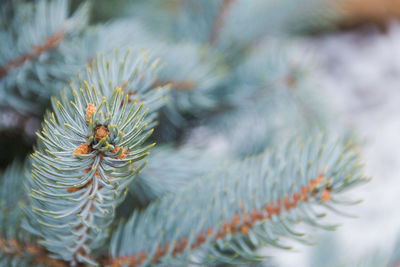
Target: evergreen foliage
pixel 98 191
pixel 168 170
pixel 11 208
pixel 226 214
pixel 33 51
pixel 85 157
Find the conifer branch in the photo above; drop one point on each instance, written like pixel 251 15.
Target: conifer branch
pixel 80 172
pixel 249 206
pixel 134 72
pixel 93 144
pixel 193 77
pixel 88 153
pixel 37 59
pixel 48 44
pixel 51 37
pixel 16 247
pixel 240 223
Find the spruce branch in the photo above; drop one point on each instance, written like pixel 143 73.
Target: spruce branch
pixel 194 74
pixel 168 171
pixel 88 153
pixel 51 39
pixel 50 43
pixel 135 72
pixel 17 247
pixel 250 205
pixel 33 37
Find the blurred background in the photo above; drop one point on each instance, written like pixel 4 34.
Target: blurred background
pixel 359 72
pixel 352 50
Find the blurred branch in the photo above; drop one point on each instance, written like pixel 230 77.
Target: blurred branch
pixel 238 224
pixel 36 51
pixel 219 22
pixel 183 85
pixel 356 12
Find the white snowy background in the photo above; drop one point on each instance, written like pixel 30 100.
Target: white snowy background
pixel 359 73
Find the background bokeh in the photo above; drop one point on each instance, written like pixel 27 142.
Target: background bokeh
pixel 352 50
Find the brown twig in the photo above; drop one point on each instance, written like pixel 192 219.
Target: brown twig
pixel 357 12
pixel 183 85
pixel 36 51
pixel 219 21
pixel 239 224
